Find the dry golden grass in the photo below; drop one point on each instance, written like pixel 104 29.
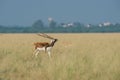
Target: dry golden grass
pixel 74 57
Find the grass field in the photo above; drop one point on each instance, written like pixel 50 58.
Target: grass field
pixel 74 57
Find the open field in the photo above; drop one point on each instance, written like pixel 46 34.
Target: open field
pixel 74 57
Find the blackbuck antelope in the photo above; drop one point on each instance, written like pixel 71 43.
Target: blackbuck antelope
pixel 44 46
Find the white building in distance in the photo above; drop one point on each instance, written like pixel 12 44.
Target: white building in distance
pixel 106 24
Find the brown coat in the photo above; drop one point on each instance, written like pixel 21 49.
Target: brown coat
pixel 41 44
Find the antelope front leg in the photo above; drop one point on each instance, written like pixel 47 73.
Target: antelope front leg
pixel 48 51
pixel 49 54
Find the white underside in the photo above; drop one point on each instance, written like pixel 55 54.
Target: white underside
pixel 42 49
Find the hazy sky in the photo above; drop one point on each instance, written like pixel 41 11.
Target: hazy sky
pixel 25 12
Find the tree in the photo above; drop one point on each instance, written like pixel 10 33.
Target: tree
pixel 52 23
pixel 38 24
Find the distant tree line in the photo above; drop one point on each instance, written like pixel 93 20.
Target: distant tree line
pixel 53 27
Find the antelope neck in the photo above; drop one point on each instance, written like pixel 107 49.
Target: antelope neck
pixel 52 43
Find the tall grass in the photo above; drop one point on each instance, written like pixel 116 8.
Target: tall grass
pixel 74 57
